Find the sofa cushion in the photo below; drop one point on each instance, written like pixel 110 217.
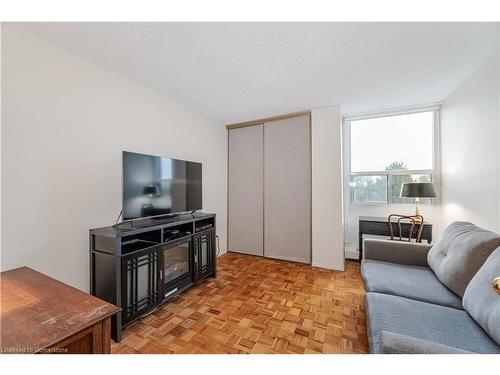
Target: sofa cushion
pixel 426 321
pixel 460 253
pixel 480 299
pixel 413 282
pixel 392 343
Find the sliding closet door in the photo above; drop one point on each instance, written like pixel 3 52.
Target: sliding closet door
pixel 245 190
pixel 287 189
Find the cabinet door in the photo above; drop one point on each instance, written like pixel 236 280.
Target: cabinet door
pixel 245 190
pixel 141 286
pixel 287 189
pixel 205 254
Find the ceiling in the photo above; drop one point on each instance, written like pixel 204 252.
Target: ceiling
pixel 242 71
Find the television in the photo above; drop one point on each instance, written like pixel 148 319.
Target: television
pixel 155 185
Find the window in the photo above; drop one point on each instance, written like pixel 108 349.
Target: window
pixel 387 151
pixel 369 189
pixel 398 179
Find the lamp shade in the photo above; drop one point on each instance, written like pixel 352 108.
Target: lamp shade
pixel 417 190
pixel 151 190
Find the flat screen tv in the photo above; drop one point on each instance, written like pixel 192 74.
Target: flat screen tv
pixel 155 185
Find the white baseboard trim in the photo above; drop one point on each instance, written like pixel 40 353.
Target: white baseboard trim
pixel 328 267
pixel 351 252
pixel 222 252
pixel 290 259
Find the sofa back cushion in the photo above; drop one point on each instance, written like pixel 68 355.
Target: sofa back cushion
pixel 480 299
pixel 460 253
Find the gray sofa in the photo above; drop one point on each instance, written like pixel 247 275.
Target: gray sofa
pixel 433 299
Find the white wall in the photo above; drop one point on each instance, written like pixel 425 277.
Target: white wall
pixel 1 131
pixel 65 122
pixel 470 157
pixel 327 213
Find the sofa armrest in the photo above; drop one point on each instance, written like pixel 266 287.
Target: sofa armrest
pixel 393 343
pixel 410 253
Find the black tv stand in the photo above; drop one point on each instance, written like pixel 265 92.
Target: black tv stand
pixel 161 217
pixel 169 254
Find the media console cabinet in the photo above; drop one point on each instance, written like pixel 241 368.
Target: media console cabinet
pixel 138 265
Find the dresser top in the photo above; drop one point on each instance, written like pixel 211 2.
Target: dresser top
pixel 38 311
pixel 381 219
pixel 147 224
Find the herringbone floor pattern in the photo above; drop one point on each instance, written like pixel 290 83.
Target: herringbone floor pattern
pixel 258 305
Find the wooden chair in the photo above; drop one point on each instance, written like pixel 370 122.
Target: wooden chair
pixel 415 220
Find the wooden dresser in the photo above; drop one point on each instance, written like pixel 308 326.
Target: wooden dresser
pixel 39 314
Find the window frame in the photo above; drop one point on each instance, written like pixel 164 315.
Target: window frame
pixel 349 175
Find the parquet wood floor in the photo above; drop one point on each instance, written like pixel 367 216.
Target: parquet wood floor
pixel 258 305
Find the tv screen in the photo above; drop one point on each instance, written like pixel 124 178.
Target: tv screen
pixel 155 185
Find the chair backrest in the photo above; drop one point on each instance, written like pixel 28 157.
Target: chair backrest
pixel 415 220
